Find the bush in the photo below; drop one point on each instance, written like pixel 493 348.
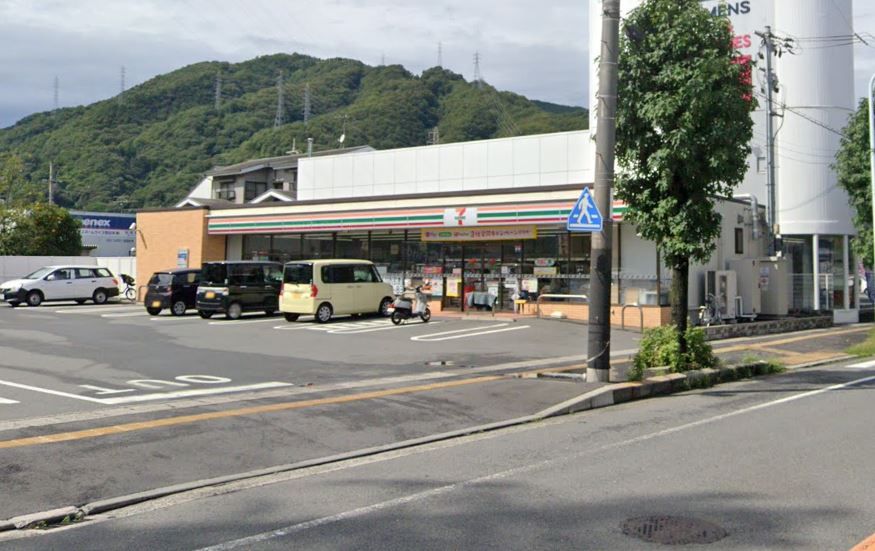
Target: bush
pixel 659 348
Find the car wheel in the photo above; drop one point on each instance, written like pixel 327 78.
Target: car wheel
pixel 397 317
pixel 323 314
pixel 234 311
pixel 13 304
pixel 269 312
pixel 178 308
pixel 153 311
pixel 204 314
pixel 384 307
pixel 34 298
pixel 292 317
pixel 99 296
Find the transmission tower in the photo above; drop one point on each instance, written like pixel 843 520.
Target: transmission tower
pixel 307 103
pixel 122 86
pixel 57 86
pixel 477 78
pixel 278 119
pixel 382 60
pixel 434 136
pixel 218 99
pixel 440 55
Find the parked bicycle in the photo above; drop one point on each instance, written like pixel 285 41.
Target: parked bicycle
pixel 709 313
pixel 129 292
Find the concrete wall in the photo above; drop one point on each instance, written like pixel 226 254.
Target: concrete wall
pixel 547 159
pixel 161 234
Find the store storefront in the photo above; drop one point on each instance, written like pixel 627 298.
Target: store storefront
pixel 465 268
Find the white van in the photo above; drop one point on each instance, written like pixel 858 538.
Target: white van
pixel 79 283
pixel 324 288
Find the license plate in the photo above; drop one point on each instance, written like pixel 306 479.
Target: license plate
pixel 210 294
pixel 156 304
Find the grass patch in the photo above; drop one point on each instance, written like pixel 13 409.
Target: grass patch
pixel 865 348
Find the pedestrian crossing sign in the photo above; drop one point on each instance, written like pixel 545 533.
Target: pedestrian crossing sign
pixel 585 216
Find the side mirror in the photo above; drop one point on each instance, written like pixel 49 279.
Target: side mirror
pixel 50 277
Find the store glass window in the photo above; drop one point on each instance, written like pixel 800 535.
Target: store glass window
pixel 833 278
pixel 352 245
pixel 256 247
pixel 287 247
pixel 318 245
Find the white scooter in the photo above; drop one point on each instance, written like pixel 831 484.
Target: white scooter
pixel 408 305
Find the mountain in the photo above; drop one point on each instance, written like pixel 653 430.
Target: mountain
pixel 149 146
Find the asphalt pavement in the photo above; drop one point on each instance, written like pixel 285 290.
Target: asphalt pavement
pixel 773 463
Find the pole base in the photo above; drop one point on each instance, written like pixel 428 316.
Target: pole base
pixel 598 375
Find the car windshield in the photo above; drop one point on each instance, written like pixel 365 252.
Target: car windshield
pixel 214 274
pixel 161 279
pixel 39 274
pixel 301 274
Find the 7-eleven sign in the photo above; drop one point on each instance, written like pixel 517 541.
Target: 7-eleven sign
pixel 460 216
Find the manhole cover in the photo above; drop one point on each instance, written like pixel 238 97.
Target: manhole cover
pixel 673 530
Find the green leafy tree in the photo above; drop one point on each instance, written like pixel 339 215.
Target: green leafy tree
pixel 853 168
pixel 683 129
pixel 39 229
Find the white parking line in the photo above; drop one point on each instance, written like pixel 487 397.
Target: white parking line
pixel 8 401
pixel 465 333
pixel 176 318
pixel 125 315
pixel 94 309
pixel 383 328
pixel 52 392
pixel 242 322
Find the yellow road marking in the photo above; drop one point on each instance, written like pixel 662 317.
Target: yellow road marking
pixel 254 410
pixel 748 346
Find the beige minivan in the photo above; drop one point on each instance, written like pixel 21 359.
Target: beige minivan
pixel 324 288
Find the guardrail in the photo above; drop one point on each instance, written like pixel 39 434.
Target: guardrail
pixel 623 315
pixel 557 296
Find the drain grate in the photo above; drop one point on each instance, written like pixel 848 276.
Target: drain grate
pixel 673 530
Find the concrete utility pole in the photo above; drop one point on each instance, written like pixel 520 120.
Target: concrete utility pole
pixel 599 341
pixel 872 160
pixel 770 141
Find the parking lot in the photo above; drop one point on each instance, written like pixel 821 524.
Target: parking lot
pixel 61 357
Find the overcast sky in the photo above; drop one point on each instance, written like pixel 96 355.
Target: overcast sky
pixel 537 49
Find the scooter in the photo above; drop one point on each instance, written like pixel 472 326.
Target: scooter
pixel 407 306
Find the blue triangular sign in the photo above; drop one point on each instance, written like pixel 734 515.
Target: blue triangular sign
pixel 585 216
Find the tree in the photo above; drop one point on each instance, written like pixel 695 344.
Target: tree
pixel 853 169
pixel 683 129
pixel 39 230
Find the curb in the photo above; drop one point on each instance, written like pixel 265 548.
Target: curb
pixel 612 394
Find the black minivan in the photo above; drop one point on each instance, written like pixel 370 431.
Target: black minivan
pixel 174 289
pixel 234 287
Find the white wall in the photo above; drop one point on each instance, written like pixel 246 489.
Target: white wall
pixel 542 160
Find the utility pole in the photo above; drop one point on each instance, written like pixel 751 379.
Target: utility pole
pixel 278 118
pixel 774 230
pixel 871 98
pixel 599 338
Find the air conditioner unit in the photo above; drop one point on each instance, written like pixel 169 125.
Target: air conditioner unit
pixel 723 286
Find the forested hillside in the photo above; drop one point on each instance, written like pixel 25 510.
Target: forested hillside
pixel 149 146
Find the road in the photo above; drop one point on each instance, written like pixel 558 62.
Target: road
pixel 775 463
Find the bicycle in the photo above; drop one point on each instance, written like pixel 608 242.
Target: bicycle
pixel 709 313
pixel 130 290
